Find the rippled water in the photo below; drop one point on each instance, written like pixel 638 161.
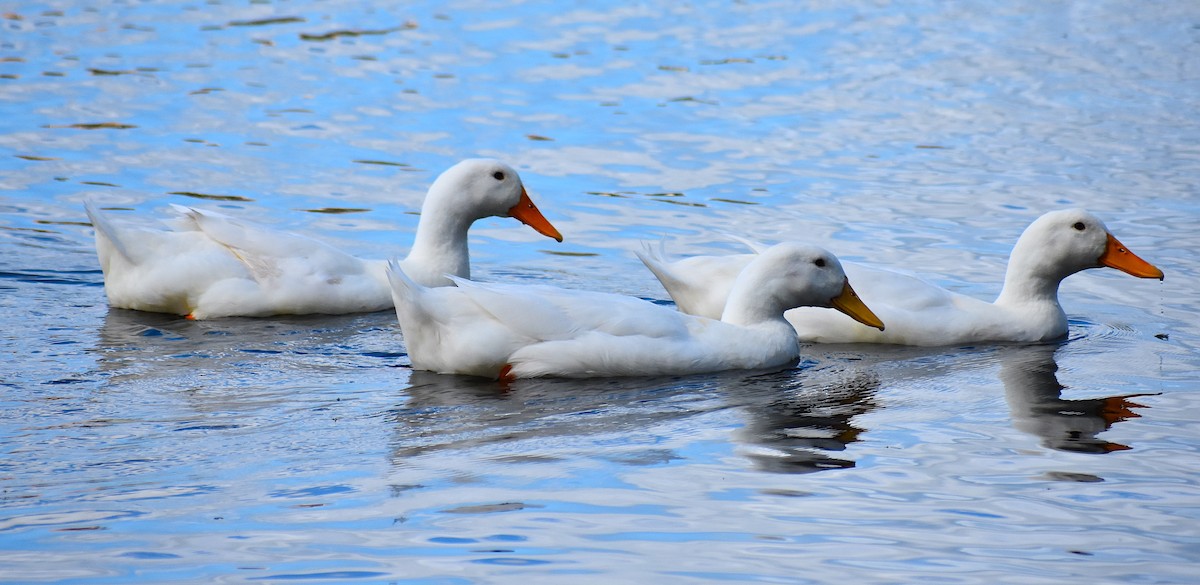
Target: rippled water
pixel 145 448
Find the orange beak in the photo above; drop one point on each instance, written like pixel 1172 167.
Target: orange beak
pixel 527 213
pixel 1117 256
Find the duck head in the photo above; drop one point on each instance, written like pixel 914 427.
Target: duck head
pixel 482 187
pixel 790 275
pixel 1061 243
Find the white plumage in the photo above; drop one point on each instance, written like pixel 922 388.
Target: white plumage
pixel 1053 247
pixel 213 265
pixel 523 331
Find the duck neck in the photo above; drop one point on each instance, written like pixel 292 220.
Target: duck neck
pixel 440 245
pixel 766 332
pixel 1028 281
pixel 747 305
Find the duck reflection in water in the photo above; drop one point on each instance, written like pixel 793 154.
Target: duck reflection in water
pixel 283 352
pixel 794 420
pixel 445 412
pixel 805 420
pixel 1034 396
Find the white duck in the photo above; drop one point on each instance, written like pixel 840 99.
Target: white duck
pixel 213 265
pixel 523 331
pixel 1055 246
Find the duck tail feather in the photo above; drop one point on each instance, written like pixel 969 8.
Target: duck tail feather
pixel 105 228
pixel 652 255
pixel 403 287
pixel 755 246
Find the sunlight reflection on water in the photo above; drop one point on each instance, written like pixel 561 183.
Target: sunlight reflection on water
pixel 144 448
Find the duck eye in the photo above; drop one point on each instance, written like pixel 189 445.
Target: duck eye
pixel 1079 226
pixel 820 262
pixel 498 175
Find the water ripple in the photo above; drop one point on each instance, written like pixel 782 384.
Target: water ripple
pixel 922 135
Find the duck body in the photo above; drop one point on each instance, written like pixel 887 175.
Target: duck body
pixel 522 331
pixel 208 264
pixel 920 313
pixel 212 265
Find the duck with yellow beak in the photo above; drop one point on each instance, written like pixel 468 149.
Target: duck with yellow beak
pixel 917 312
pixel 509 331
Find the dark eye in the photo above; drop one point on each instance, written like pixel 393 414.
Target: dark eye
pixel 820 262
pixel 498 175
pixel 1079 226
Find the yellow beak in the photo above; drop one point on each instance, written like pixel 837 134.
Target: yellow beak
pixel 849 303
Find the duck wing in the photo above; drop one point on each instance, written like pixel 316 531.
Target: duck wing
pixel 544 312
pixel 270 254
pixel 900 290
pixel 916 311
pixel 699 285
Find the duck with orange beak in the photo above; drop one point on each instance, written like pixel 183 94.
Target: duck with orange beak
pixel 213 265
pixel 917 312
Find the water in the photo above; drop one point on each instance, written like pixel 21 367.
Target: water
pixel 142 448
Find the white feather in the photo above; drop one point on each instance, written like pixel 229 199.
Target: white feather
pixel 539 330
pixel 918 312
pixel 208 264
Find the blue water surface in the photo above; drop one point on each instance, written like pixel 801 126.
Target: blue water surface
pixel 144 448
